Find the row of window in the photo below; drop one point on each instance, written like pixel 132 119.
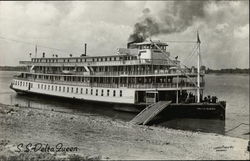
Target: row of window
pixel 76 90
pixel 68 89
pixel 52 60
pixel 23 83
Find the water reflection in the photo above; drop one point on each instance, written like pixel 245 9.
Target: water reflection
pixel 204 125
pixel 70 106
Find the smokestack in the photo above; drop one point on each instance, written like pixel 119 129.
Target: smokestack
pixel 129 43
pixel 85 49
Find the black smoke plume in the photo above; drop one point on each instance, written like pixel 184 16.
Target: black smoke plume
pixel 147 27
pixel 175 17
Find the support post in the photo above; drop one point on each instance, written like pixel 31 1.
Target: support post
pixel 177 99
pixel 177 91
pixel 198 69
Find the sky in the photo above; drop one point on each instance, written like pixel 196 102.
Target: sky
pixel 107 25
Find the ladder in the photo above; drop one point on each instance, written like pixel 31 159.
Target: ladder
pixel 149 112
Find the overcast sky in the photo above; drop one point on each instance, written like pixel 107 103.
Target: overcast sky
pixel 106 26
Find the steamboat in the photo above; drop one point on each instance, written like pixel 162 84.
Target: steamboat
pixel 141 76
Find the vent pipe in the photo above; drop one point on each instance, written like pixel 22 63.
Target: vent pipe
pixel 85 49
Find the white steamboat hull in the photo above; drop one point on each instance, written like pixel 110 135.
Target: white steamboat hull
pixel 99 94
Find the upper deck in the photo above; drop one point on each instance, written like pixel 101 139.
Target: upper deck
pixel 134 54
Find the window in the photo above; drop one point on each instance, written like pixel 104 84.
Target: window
pixel 72 90
pixel 102 93
pixel 56 88
pixel 96 92
pixel 114 93
pixel 63 89
pixel 108 92
pixel 59 88
pixel 76 90
pixel 42 86
pixel 86 90
pixel 81 90
pixel 91 91
pixel 45 86
pixel 67 89
pixel 38 86
pixel 48 87
pixel 52 88
pixel 120 93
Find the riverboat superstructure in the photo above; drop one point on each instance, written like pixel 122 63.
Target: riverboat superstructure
pixel 141 74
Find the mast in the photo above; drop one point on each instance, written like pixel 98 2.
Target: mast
pixel 198 68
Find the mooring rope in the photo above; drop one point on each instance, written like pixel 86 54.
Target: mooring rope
pixel 236 127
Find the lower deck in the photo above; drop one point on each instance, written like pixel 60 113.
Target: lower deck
pixel 182 103
pixel 101 94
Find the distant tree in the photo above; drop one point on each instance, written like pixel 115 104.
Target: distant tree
pixel 203 67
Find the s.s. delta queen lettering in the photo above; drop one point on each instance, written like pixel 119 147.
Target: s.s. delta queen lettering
pixel 39 147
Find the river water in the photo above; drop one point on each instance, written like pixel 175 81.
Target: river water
pixel 234 88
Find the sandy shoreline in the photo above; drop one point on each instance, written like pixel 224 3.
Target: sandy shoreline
pixel 103 138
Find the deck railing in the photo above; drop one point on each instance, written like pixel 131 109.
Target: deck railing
pixel 115 85
pixel 119 73
pixel 102 63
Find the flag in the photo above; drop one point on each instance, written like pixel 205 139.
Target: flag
pixel 198 38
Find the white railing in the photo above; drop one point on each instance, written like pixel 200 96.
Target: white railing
pixel 123 73
pixel 101 63
pixel 115 85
